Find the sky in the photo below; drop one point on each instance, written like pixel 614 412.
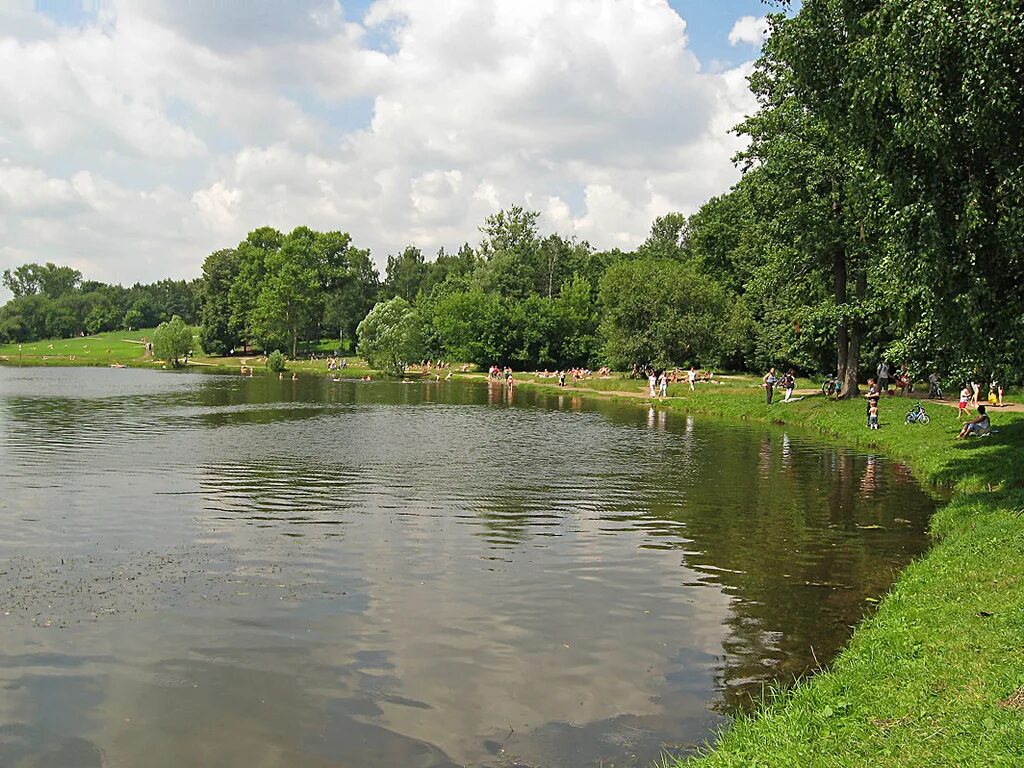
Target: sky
pixel 137 136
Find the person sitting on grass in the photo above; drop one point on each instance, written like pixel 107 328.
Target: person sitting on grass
pixel 979 426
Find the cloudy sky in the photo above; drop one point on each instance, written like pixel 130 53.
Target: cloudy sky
pixel 138 135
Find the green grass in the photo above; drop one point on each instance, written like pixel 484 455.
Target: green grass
pixel 115 347
pixel 128 348
pixel 936 676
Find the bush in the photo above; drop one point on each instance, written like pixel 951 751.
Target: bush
pixel 276 361
pixel 172 341
pixel 390 336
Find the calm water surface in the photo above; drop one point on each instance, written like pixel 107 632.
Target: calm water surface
pixel 209 570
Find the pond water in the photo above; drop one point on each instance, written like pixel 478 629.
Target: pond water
pixel 210 570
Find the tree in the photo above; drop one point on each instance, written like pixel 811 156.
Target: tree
pixel 389 336
pixel 660 312
pixel 351 295
pixel 405 274
pixel 172 340
pixel 217 333
pixel 930 92
pixel 252 253
pixel 510 251
pixel 47 279
pixel 818 209
pixel 722 236
pixel 472 325
pixel 576 322
pixel 447 265
pixel 668 235
pixel 289 301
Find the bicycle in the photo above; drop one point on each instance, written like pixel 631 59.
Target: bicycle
pixel 917 415
pixel 831 387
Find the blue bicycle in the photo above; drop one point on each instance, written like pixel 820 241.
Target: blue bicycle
pixel 917 415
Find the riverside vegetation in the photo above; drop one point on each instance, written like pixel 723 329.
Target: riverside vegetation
pixel 880 215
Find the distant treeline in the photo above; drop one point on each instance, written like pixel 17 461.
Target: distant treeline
pixel 880 216
pixel 518 297
pixel 55 302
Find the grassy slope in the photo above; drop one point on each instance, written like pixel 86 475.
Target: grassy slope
pixel 929 679
pixel 127 348
pixel 123 347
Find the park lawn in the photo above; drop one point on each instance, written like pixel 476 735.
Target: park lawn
pixel 114 347
pixel 936 676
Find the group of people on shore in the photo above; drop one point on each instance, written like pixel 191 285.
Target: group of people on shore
pixel 658 380
pixel 785 381
pixel 494 373
pixel 877 387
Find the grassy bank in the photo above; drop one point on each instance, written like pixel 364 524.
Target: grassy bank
pixel 128 348
pixel 936 676
pixel 113 348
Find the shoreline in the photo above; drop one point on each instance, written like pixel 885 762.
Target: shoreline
pixel 935 675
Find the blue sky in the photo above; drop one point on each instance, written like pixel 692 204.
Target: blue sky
pixel 708 21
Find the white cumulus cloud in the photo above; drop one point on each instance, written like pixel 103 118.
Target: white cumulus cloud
pixel 752 30
pixel 141 142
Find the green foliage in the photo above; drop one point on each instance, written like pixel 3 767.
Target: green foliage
pixel 391 336
pixel 51 301
pixel 405 274
pixel 289 303
pixel 217 333
pixel 172 340
pixel 471 325
pixel 927 95
pixel 667 239
pixel 276 361
pixel 47 280
pixel 662 313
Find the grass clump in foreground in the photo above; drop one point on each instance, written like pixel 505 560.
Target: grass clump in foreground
pixel 936 676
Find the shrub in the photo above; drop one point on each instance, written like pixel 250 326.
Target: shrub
pixel 276 361
pixel 172 341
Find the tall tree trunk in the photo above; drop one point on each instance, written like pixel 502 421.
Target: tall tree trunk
pixel 856 337
pixel 295 344
pixel 839 278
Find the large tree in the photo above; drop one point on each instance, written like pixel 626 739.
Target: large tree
pixel 929 93
pixel 252 254
pixel 818 209
pixel 217 333
pixel 405 273
pixel 289 304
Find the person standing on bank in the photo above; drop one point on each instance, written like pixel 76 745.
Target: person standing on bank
pixel 874 393
pixel 883 376
pixel 769 384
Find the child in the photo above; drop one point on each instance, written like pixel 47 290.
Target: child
pixel 873 415
pixel 965 397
